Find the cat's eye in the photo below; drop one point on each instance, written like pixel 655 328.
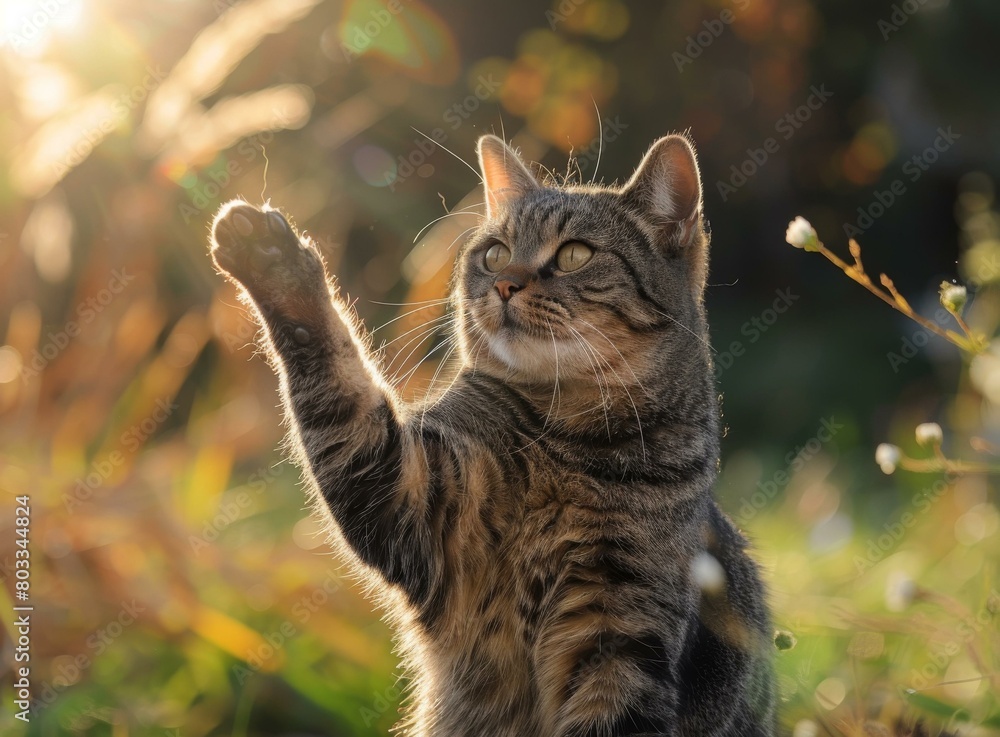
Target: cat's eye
pixel 497 257
pixel 573 256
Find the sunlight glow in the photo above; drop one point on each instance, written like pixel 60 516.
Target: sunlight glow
pixel 44 89
pixel 28 26
pixel 10 364
pixel 47 236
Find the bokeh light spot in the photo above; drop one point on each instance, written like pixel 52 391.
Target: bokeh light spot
pixel 409 36
pixel 830 693
pixel 977 524
pixel 308 533
pixel 260 597
pixel 964 680
pixel 10 364
pixel 47 235
pixel 375 165
pixel 831 533
pixel 805 728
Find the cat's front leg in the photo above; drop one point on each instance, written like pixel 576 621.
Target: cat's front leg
pixel 626 686
pixel 362 460
pixel 610 666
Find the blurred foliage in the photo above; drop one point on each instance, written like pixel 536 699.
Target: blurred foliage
pixel 180 586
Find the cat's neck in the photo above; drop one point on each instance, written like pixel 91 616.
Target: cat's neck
pixel 621 409
pixel 626 435
pixel 639 398
pixel 585 405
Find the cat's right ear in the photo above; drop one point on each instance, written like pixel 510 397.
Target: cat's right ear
pixel 667 188
pixel 505 177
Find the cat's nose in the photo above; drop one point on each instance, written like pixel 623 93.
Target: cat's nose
pixel 507 287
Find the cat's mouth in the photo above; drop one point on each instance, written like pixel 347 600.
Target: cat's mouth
pixel 510 319
pixel 529 343
pixel 514 321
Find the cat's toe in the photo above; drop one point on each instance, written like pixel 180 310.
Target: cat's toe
pixel 247 241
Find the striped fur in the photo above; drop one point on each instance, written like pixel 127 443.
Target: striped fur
pixel 534 529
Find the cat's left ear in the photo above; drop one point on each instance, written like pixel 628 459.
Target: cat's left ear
pixel 667 189
pixel 505 177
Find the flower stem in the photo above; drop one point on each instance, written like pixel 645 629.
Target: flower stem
pixel 969 343
pixel 934 465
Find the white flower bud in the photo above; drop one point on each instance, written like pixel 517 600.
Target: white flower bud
pixel 805 728
pixel 929 433
pixel 953 297
pixel 887 456
pixel 900 591
pixel 707 573
pixel 802 234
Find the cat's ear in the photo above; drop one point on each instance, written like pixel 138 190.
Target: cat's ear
pixel 505 177
pixel 667 188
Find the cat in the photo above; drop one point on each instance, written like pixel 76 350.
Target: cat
pixel 542 532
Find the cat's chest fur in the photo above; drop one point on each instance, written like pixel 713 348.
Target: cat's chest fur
pixel 564 536
pixel 573 556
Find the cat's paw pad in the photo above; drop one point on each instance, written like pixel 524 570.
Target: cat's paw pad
pixel 258 247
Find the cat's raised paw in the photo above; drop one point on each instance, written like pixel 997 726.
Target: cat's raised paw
pixel 259 249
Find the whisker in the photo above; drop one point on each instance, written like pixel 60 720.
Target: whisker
pixel 409 374
pixel 439 300
pixel 427 405
pixel 484 338
pixel 433 324
pixel 624 360
pixel 682 325
pixel 448 215
pixel 460 235
pixel 444 360
pixel 549 173
pixel 424 336
pixel 407 314
pixel 441 145
pixel 600 140
pixel 552 403
pixel 555 386
pixel 598 373
pixel 635 409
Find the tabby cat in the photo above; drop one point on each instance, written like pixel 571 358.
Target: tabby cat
pixel 542 532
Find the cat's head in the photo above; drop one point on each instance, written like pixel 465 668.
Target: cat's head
pixel 584 280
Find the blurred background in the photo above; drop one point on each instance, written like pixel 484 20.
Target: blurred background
pixel 179 585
